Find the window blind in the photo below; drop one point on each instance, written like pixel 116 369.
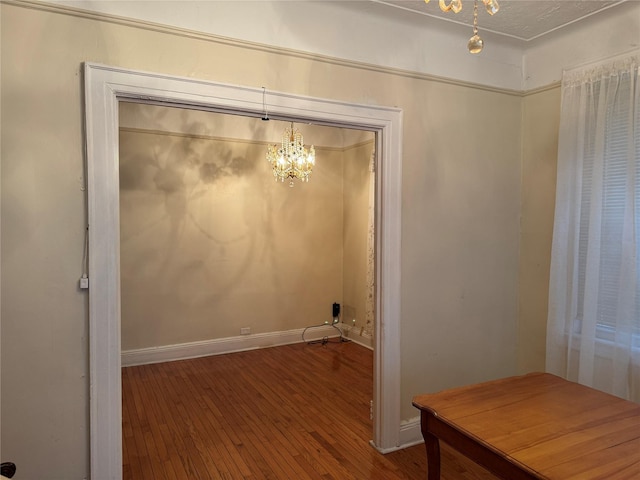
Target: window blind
pixel 615 164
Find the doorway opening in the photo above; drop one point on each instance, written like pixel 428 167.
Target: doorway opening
pixel 105 87
pixel 217 257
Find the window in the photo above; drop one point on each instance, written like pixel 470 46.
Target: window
pixel 594 295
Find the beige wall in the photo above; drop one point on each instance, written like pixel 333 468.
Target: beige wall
pixel 210 243
pixel 461 194
pixel 541 120
pixel 460 205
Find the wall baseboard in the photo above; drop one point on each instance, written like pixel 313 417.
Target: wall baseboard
pixel 219 346
pixel 352 334
pixel 410 435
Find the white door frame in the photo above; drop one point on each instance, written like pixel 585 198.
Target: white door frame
pixel 105 86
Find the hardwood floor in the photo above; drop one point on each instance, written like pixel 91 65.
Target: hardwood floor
pixel 293 412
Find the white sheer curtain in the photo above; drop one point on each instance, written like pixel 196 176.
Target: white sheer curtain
pixel 593 331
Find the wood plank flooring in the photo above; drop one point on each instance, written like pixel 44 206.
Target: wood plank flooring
pixel 292 412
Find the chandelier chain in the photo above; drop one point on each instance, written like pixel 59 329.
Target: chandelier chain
pixel 475 17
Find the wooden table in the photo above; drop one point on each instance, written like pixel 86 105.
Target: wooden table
pixel 536 426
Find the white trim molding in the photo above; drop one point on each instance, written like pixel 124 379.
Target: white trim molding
pixel 105 87
pixel 410 435
pixel 410 432
pixel 221 346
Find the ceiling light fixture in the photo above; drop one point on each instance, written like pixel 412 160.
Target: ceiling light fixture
pixel 475 42
pixel 291 160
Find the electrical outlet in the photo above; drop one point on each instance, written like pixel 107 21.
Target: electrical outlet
pixel 245 330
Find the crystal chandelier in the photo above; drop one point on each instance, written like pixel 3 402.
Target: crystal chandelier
pixel 475 43
pixel 291 160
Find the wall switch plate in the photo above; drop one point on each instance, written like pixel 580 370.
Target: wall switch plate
pixel 245 330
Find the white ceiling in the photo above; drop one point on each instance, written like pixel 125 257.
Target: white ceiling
pixel 521 19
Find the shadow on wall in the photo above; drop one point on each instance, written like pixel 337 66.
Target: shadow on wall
pixel 209 241
pixel 183 169
pixel 177 157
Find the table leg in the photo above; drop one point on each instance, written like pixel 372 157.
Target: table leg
pixel 433 455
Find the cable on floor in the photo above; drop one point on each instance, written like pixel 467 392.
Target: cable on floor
pixel 326 339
